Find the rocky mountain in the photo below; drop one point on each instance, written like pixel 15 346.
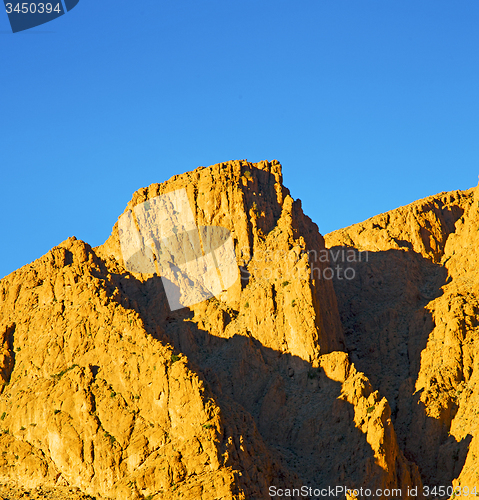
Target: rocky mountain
pixel 411 325
pixel 344 360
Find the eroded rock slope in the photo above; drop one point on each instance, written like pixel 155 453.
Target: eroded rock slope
pixel 105 389
pixel 410 320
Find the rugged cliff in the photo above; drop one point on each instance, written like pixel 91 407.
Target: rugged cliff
pixel 410 319
pixel 287 378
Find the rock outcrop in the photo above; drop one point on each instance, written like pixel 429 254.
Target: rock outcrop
pixel 285 379
pixel 410 318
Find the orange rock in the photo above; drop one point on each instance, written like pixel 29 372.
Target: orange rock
pixel 107 390
pixel 410 319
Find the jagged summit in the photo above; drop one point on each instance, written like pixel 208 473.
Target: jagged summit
pixel 285 378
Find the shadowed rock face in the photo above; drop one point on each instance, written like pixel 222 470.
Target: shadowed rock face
pixel 410 320
pixel 284 379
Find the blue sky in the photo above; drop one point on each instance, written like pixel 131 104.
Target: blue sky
pixel 369 105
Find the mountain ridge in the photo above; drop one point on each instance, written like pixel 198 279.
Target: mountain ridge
pixel 271 383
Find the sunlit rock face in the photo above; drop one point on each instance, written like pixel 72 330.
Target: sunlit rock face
pixel 215 346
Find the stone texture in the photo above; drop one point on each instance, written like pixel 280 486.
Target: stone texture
pixel 410 319
pixel 284 379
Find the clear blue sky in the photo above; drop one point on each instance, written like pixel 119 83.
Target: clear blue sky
pixel 368 105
